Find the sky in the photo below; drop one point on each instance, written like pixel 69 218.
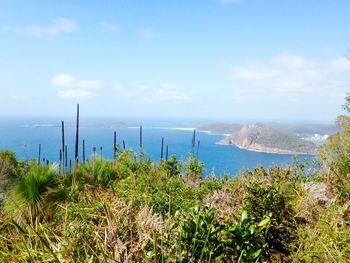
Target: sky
pixel 205 59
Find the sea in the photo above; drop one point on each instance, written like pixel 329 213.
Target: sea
pixel 24 134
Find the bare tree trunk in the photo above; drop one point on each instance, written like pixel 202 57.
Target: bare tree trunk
pixel 140 138
pixel 76 150
pixel 115 146
pixel 61 166
pixel 162 149
pixel 39 156
pixel 166 153
pixel 198 149
pixel 66 156
pixel 83 151
pixel 63 149
pixel 193 141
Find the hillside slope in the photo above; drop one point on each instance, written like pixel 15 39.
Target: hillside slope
pixel 259 137
pixel 220 128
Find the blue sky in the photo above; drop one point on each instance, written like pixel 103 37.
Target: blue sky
pixel 211 59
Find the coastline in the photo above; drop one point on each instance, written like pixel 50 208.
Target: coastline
pixel 264 151
pixel 214 133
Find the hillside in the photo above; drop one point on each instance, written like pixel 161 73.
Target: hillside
pixel 220 128
pixel 260 137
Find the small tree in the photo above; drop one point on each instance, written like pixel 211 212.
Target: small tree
pixel 194 170
pixel 35 194
pixel 335 155
pixel 8 164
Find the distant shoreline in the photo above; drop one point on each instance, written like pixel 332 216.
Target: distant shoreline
pixel 214 133
pixel 279 151
pixel 264 151
pixel 259 137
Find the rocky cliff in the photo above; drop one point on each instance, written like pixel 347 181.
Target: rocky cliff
pixel 260 137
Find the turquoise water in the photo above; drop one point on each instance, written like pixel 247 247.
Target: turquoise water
pixel 24 135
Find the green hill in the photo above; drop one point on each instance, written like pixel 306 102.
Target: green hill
pixel 260 137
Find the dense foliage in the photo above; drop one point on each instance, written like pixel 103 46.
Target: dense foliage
pixel 136 210
pixel 336 155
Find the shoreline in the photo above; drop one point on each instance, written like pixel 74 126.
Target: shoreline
pixel 263 151
pixel 214 133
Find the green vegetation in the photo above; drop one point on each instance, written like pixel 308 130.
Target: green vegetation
pixel 35 194
pixel 136 210
pixel 221 128
pixel 10 169
pixel 261 137
pixel 335 155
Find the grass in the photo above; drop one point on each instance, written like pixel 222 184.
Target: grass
pixel 34 195
pixel 135 210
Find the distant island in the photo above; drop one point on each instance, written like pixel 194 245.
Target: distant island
pixel 112 125
pixel 262 138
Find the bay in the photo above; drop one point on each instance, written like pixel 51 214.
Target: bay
pixel 23 135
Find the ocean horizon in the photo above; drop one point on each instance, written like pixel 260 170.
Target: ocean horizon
pixel 23 136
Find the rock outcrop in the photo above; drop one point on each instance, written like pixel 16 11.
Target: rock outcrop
pixel 262 138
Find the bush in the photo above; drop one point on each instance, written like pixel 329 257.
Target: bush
pixel 202 238
pixel 194 170
pixel 262 201
pixel 336 158
pixel 172 166
pixel 9 166
pixel 136 210
pixel 156 189
pixel 326 241
pixel 96 172
pixel 199 236
pixel 34 195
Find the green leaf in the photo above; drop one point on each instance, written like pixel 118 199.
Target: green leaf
pixel 252 229
pixel 257 253
pixel 244 216
pixel 264 222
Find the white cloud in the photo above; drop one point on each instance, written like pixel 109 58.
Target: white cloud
pixel 74 88
pixel 291 77
pixel 131 92
pixel 340 65
pixel 109 27
pixel 147 32
pixel 68 81
pixel 171 91
pixel 59 26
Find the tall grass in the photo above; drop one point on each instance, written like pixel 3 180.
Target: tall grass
pixel 35 194
pixel 96 172
pixel 136 210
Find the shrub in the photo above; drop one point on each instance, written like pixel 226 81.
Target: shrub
pixel 262 201
pixel 96 172
pixel 34 195
pixel 9 166
pixel 173 166
pixel 326 241
pixel 335 156
pixel 202 238
pixel 245 241
pixel 194 170
pixel 199 239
